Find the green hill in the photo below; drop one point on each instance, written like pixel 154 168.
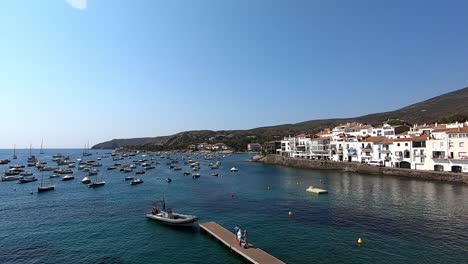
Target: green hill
pixel 444 108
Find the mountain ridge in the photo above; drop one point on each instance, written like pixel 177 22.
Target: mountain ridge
pixel 448 105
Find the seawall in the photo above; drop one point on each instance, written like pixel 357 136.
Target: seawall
pixel 364 168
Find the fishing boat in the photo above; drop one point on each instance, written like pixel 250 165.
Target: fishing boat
pixel 136 181
pixel 234 169
pixel 68 177
pixel 27 179
pixel 85 180
pixel 45 187
pixel 168 217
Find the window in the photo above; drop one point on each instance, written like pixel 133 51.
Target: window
pixel 450 144
pixel 406 144
pixel 441 144
pixel 398 144
pixel 461 144
pixel 462 154
pixel 406 154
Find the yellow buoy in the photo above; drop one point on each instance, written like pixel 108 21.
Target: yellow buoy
pixel 290 213
pixel 359 241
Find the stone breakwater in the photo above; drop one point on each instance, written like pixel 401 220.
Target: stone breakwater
pixel 362 168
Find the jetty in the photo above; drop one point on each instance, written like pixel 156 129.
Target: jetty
pixel 312 189
pixel 251 253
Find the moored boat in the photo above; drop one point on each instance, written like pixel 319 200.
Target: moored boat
pixel 85 180
pixel 68 177
pixel 168 217
pixel 136 181
pixel 44 188
pixel 27 179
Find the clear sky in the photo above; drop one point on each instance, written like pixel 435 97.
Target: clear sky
pixel 104 69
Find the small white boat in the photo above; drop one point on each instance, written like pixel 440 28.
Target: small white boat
pixel 11 178
pixel 85 180
pixel 136 181
pixel 68 177
pixel 96 184
pixel 168 217
pixel 234 169
pixel 26 173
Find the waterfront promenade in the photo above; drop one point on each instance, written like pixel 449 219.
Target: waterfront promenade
pixel 364 168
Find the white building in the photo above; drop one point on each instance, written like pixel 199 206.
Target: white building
pixel 447 149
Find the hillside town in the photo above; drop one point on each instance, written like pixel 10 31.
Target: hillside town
pixel 434 147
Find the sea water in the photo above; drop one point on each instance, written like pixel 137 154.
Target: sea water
pixel 400 220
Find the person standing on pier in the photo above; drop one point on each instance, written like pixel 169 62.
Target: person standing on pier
pixel 245 239
pixel 239 236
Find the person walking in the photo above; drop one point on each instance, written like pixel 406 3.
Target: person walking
pixel 236 229
pixel 239 236
pixel 245 239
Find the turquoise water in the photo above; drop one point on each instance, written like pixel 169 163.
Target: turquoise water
pixel 400 220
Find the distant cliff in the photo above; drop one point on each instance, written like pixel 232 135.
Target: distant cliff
pixel 447 107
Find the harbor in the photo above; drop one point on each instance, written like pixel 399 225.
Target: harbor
pixel 109 224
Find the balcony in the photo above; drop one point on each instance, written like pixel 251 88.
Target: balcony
pixel 438 155
pixel 384 151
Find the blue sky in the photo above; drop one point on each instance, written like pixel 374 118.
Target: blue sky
pixel 119 69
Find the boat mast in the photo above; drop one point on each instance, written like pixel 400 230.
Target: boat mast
pixel 41 151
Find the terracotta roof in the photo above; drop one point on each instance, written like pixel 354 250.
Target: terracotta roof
pixel 440 130
pixel 418 138
pixel 458 130
pixel 374 139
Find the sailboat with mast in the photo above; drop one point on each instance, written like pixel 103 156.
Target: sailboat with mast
pixel 42 150
pixel 32 160
pixel 97 182
pixel 86 150
pixel 44 187
pixel 14 152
